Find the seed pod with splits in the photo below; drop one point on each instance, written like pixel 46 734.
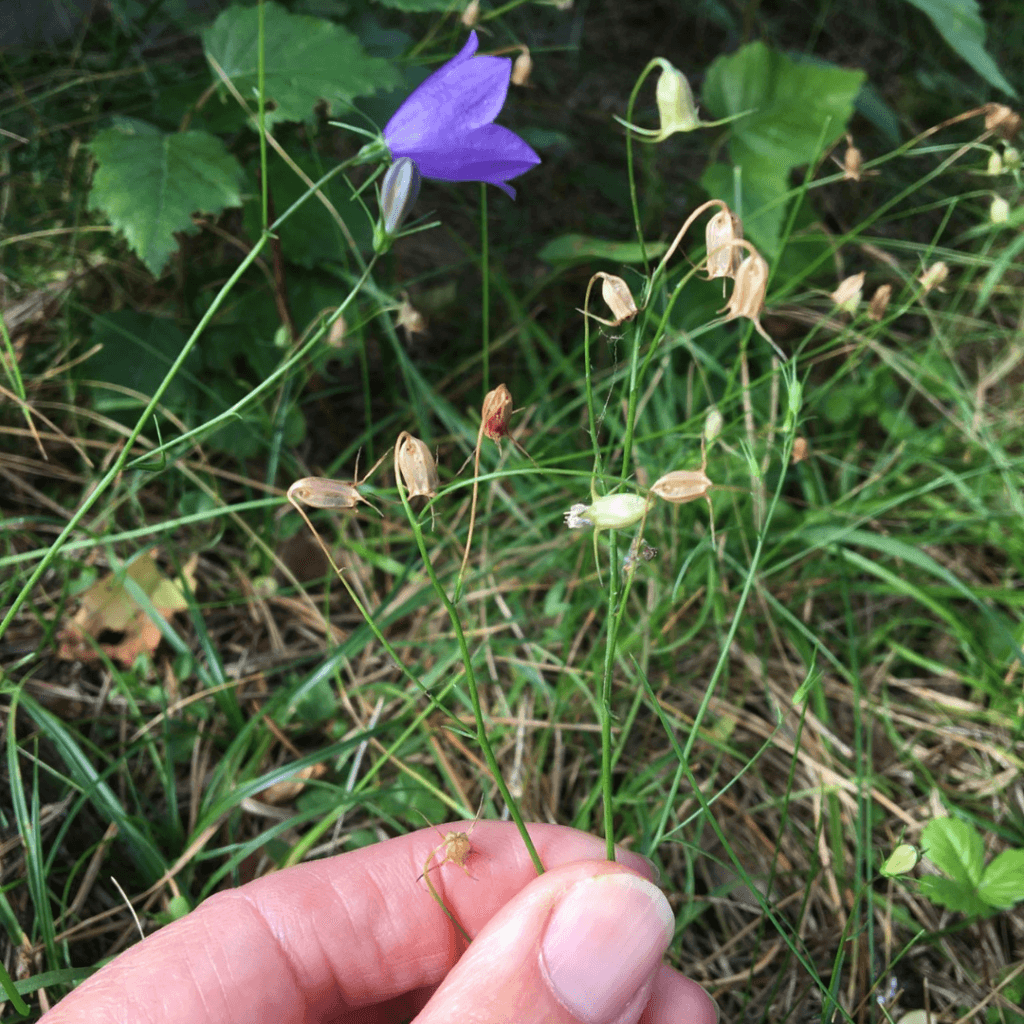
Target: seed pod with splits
pixel 880 302
pixel 616 294
pixel 747 299
pixel 416 467
pixel 723 258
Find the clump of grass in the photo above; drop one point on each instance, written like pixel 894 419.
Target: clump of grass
pixel 767 710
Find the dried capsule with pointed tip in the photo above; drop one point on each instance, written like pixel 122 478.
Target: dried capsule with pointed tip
pixel 322 492
pixel 1002 120
pixel 880 302
pixel 747 299
pixel 724 258
pixel 522 66
pixel 685 485
pixel 416 466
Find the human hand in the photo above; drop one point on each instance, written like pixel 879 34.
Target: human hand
pixel 357 938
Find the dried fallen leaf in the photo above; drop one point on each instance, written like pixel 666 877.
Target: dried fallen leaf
pixel 108 608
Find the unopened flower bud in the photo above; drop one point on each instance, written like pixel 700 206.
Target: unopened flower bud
pixel 617 295
pixel 1011 158
pixel 1002 120
pixel 995 164
pixel 676 107
pixel 416 466
pixel 999 211
pixel 471 14
pixel 848 295
pixel 398 194
pixel 522 66
pixel 713 423
pixel 723 258
pixel 880 301
pixel 611 512
pixel 933 276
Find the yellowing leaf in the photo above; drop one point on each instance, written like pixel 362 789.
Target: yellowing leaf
pixel 108 608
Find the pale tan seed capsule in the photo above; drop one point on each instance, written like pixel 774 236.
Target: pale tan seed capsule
pixel 1002 120
pixel 880 301
pixel 522 66
pixel 934 276
pixel 471 14
pixel 799 449
pixel 410 319
pixel 682 486
pixel 322 492
pixel 747 299
pixel 724 258
pixel 617 295
pixel 416 466
pixel 848 295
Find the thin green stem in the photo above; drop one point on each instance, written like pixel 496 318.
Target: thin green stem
pixel 264 188
pixel 474 693
pixel 605 703
pixel 485 299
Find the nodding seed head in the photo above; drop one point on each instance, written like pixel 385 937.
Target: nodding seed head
pixel 880 302
pixel 1002 120
pixel 416 466
pixel 522 66
pixel 934 276
pixel 848 295
pixel 723 259
pixel 619 298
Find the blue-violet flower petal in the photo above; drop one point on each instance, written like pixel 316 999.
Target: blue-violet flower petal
pixel 446 124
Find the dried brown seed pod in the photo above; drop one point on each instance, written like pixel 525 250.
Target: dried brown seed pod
pixel 616 295
pixel 934 276
pixel 800 449
pixel 416 467
pixel 724 258
pixel 747 299
pixel 410 319
pixel 682 486
pixel 1002 120
pixel 522 66
pixel 880 302
pixel 322 492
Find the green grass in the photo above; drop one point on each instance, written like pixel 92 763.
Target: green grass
pixel 772 714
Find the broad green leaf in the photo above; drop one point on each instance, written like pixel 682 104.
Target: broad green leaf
pixel 959 23
pixel 149 183
pixel 955 847
pixel 137 351
pixel 954 895
pixel 1002 884
pixel 306 60
pixel 578 248
pixel 798 108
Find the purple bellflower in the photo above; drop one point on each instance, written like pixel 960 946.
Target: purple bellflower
pixel 446 125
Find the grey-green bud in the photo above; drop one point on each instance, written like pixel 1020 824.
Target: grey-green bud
pixel 398 194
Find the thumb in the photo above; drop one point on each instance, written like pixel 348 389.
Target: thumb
pixel 581 943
